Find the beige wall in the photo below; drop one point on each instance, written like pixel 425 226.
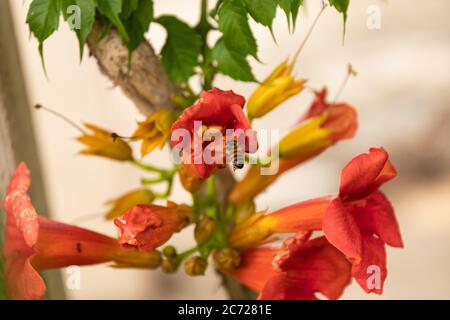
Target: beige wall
pixel 401 94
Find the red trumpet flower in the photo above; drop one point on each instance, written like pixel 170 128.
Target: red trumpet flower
pixel 217 111
pixel 298 271
pixel 322 126
pixel 146 227
pixel 34 243
pixel 361 220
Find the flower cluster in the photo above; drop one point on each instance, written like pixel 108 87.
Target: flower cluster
pixel 356 223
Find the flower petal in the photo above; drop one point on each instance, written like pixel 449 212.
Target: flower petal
pixel 22 280
pixel 341 230
pixel 311 267
pixel 377 216
pixel 371 271
pixel 318 106
pixel 365 173
pixel 18 204
pixel 256 268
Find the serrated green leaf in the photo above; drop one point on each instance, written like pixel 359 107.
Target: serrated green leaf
pixel 232 63
pixel 286 6
pixel 129 6
pixel 295 7
pixel 341 6
pixel 181 50
pixel 87 19
pixel 262 11
pixel 138 23
pixel 43 20
pixel 233 23
pixel 112 9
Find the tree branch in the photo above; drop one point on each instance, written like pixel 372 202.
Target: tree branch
pixel 145 83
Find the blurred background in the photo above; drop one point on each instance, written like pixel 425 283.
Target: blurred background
pixel 401 93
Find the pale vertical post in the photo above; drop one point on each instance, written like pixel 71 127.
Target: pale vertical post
pixel 17 141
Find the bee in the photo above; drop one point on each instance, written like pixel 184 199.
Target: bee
pixel 235 152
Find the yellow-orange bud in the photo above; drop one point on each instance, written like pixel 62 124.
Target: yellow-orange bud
pixel 137 259
pixel 227 259
pixel 277 88
pixel 169 265
pixel 195 266
pixel 204 230
pixel 121 204
pixel 307 138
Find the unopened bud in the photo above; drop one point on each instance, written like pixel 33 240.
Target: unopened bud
pixel 227 259
pixel 169 265
pixel 243 210
pixel 204 230
pixel 195 266
pixel 169 251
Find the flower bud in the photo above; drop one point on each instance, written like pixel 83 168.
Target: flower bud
pixel 195 266
pixel 169 265
pixel 243 210
pixel 137 259
pixel 169 251
pixel 227 259
pixel 101 143
pixel 204 230
pixel 154 131
pixel 121 204
pixel 189 178
pixel 277 88
pixel 307 138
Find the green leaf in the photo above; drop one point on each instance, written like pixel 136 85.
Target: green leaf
pixel 181 50
pixel 129 6
pixel 262 11
pixel 286 6
pixel 233 22
pixel 112 9
pixel 87 19
pixel 232 62
pixel 295 6
pixel 341 6
pixel 43 19
pixel 138 23
pixel 290 8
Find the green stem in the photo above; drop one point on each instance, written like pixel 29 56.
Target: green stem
pixel 153 181
pixel 211 202
pixel 148 167
pixel 203 29
pixel 180 257
pixel 196 206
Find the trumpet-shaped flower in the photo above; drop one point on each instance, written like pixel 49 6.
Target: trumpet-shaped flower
pixel 279 86
pixel 34 243
pixel 322 126
pixel 359 221
pixel 297 271
pixel 146 227
pixel 154 131
pixel 217 112
pixel 101 143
